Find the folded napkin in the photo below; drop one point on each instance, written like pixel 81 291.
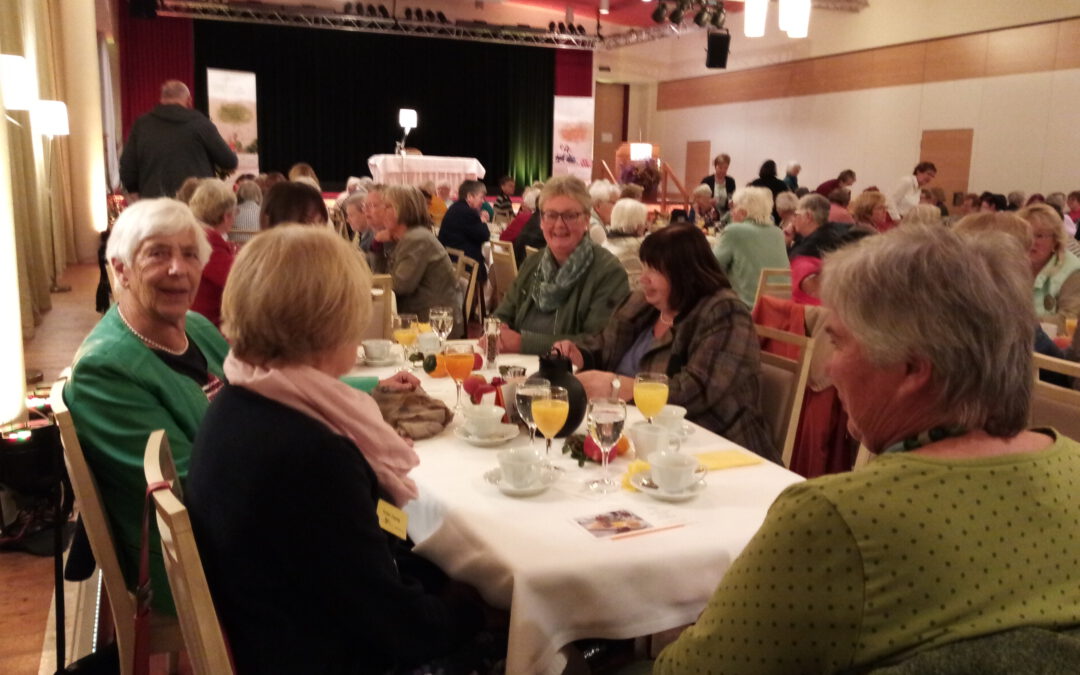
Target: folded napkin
pixel 413 414
pixel 727 459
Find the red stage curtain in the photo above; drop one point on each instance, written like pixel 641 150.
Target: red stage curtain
pixel 573 72
pixel 151 51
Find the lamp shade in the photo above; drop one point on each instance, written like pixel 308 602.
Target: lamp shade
pixel 639 151
pixel 798 24
pixel 49 118
pixel 754 16
pixel 407 118
pixel 16 82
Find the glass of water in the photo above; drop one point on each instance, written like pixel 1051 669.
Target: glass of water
pixel 442 322
pixel 606 418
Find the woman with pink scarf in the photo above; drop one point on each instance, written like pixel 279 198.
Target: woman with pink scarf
pixel 290 470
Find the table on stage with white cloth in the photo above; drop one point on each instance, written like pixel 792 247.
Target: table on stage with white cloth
pixel 415 169
pixel 558 581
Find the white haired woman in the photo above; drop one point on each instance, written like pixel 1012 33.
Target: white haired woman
pixel 570 288
pixel 603 194
pixel 628 225
pixel 1056 269
pixel 703 213
pixel 148 364
pixel 751 242
pixel 960 528
pixel 290 469
pixel 214 204
pixel 249 200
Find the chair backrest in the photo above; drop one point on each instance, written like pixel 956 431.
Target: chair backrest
pixel 382 302
pixel 529 250
pixel 503 267
pixel 203 636
pixel 470 270
pixel 1053 405
pixel 96 523
pixel 774 281
pixel 783 385
pixel 457 256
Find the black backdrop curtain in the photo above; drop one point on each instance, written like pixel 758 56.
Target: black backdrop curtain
pixel 331 98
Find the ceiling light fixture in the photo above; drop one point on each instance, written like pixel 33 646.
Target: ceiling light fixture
pixel 605 7
pixel 755 14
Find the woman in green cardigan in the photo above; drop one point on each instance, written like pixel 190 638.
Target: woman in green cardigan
pixel 570 288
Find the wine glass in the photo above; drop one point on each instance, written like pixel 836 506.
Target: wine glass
pixel 406 331
pixel 606 419
pixel 459 363
pixel 650 394
pixel 550 408
pixel 442 322
pixel 523 397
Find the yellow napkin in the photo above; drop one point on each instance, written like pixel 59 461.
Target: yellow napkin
pixel 727 459
pixel 636 466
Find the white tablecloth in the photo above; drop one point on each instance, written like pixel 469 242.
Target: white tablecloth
pixel 560 583
pixel 415 169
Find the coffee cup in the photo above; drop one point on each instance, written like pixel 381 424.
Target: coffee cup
pixel 482 421
pixel 377 350
pixel 672 417
pixel 427 343
pixel 672 472
pixel 520 467
pixel 648 439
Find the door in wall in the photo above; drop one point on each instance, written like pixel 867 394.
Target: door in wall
pixel 698 163
pixel 610 125
pixel 950 151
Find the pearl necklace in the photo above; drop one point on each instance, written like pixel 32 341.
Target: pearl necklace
pixel 150 343
pixel 666 322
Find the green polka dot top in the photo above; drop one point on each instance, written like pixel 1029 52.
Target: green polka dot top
pixel 905 554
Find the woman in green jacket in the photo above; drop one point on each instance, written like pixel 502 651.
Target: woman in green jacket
pixel 569 289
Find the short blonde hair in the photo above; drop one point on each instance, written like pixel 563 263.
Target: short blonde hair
pixel 1044 217
pixel 702 190
pixel 212 200
pixel 162 217
pixel 756 201
pixel 923 214
pixel 566 186
pixel 409 204
pixel 628 215
pixel 1005 222
pixel 863 207
pixel 295 292
pixel 960 301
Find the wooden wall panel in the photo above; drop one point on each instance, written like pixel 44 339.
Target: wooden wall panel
pixel 1068 45
pixel 950 151
pixel 1026 49
pixel 956 58
pixel 698 162
pixel 610 108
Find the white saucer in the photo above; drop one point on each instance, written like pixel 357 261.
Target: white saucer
pixel 548 476
pixel 379 363
pixel 506 432
pixel 643 482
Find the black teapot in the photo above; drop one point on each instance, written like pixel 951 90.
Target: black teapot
pixel 559 371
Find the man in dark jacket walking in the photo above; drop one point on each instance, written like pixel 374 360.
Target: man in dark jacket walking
pixel 171 143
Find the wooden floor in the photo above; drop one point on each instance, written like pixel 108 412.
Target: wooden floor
pixel 26 582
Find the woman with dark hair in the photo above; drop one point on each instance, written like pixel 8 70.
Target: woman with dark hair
pixel 292 202
pixel 686 322
pixel 767 179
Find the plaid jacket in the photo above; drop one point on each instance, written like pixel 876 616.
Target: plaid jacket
pixel 710 356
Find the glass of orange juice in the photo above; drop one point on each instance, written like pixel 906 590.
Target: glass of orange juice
pixel 550 408
pixel 1070 326
pixel 459 363
pixel 650 394
pixel 406 329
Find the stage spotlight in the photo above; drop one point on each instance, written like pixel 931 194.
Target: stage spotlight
pixel 571 29
pixel 371 11
pixel 384 12
pixel 659 14
pixel 718 19
pixel 348 8
pixel 551 27
pixel 408 14
pixel 703 17
pixel 678 13
pixel 429 16
pixel 441 17
pixel 580 29
pixel 562 27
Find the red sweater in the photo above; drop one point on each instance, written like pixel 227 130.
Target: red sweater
pixel 208 298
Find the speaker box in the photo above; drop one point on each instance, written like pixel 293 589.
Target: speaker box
pixel 716 55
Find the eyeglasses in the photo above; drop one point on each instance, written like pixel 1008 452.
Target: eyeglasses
pixel 568 217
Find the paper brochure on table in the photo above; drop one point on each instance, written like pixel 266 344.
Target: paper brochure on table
pixel 616 524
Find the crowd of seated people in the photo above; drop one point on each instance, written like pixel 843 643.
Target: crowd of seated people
pixel 619 298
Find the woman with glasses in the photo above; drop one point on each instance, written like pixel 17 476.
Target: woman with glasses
pixel 569 289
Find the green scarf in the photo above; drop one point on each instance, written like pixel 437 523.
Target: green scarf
pixel 552 284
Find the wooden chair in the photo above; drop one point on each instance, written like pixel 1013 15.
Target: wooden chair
pixel 468 272
pixel 382 297
pixel 503 268
pixel 774 281
pixel 457 256
pixel 529 250
pixel 203 636
pixel 165 633
pixel 1052 405
pixel 783 385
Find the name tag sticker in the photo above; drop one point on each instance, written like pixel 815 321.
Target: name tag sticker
pixel 392 519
